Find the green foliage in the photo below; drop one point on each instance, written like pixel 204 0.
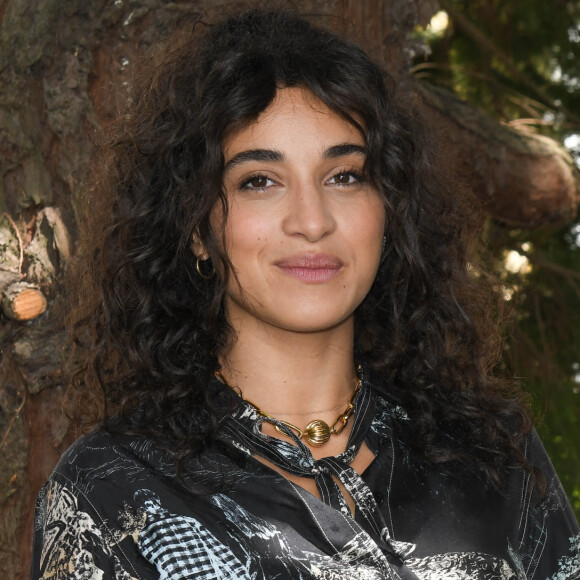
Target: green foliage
pixel 514 58
pixel 543 350
pixel 519 60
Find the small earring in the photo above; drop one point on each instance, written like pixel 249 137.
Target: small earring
pixel 384 244
pixel 199 271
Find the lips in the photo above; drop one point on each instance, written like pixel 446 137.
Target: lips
pixel 311 268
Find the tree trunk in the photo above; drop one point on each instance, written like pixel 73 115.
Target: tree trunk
pixel 65 68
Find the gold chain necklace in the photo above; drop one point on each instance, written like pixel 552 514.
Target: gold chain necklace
pixel 317 432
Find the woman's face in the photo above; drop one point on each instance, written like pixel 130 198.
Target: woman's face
pixel 304 228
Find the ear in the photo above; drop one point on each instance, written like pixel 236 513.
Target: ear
pixel 198 247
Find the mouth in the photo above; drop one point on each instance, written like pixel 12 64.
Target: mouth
pixel 311 268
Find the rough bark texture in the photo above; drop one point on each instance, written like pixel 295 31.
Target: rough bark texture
pixel 523 179
pixel 65 68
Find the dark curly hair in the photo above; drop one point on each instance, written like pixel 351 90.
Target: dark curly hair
pixel 147 330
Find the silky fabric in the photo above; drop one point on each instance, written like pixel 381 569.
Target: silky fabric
pixel 115 507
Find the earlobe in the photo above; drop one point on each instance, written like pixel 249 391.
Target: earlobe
pixel 198 248
pixel 200 252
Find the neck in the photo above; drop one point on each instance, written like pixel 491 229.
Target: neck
pixel 292 372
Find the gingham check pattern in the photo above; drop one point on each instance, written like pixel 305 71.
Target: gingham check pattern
pixel 182 548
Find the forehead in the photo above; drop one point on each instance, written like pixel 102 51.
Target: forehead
pixel 296 119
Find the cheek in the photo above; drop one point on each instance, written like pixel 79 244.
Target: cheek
pixel 247 239
pixel 246 231
pixel 369 238
pixel 370 227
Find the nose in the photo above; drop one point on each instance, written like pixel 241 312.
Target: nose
pixel 308 213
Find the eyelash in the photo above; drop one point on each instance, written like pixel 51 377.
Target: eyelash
pixel 358 178
pixel 246 184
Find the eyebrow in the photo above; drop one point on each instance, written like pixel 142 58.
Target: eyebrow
pixel 333 152
pixel 253 155
pixel 343 150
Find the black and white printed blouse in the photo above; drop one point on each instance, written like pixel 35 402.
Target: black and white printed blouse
pixel 114 508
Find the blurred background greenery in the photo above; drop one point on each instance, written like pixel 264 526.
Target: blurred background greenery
pixel 519 60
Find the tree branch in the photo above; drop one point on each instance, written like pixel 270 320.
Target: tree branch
pixel 522 179
pixel 488 46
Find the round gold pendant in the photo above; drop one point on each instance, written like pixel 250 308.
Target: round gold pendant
pixel 317 432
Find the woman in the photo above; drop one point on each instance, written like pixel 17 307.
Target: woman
pixel 290 357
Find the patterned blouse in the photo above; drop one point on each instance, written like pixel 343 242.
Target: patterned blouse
pixel 114 508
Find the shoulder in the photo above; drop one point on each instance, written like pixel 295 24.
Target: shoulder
pixel 553 499
pixel 101 457
pixel 75 528
pixel 92 511
pixel 549 536
pixel 98 477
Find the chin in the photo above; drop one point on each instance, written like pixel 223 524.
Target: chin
pixel 311 322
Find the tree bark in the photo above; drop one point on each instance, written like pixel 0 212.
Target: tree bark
pixel 523 179
pixel 65 69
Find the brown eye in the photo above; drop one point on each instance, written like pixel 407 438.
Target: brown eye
pixel 345 178
pixel 342 178
pixel 257 182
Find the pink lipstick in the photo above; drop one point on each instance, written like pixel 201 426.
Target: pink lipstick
pixel 311 267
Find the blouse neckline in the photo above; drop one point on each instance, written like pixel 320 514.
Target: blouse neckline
pixel 242 430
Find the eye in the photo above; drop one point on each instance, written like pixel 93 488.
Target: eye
pixel 257 182
pixel 346 178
